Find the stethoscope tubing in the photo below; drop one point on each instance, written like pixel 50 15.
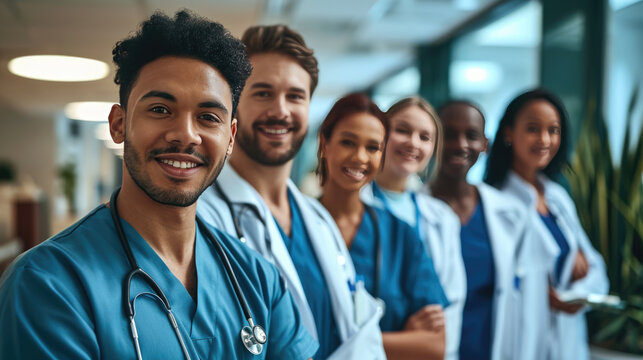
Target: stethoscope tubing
pixel 135 270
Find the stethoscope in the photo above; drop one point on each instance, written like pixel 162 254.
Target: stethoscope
pixel 341 260
pixel 253 337
pixel 378 250
pixel 237 228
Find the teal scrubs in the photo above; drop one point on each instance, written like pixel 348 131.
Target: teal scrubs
pixel 63 300
pixel 312 280
pixel 408 280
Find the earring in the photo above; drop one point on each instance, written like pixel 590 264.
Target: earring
pixel 507 143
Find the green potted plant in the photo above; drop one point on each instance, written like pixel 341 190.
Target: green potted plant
pixel 67 174
pixel 608 200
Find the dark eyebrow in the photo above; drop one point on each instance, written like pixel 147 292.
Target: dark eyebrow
pixel 160 94
pixel 348 134
pixel 214 104
pixel 263 85
pixel 167 96
pixel 298 90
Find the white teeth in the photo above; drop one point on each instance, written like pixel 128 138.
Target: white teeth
pixel 355 172
pixel 179 164
pixel 275 131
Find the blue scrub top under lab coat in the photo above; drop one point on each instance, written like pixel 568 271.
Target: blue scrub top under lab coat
pixel 312 280
pixel 555 231
pixel 407 279
pixel 63 300
pixel 477 255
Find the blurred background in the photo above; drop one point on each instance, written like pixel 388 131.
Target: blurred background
pixel 57 161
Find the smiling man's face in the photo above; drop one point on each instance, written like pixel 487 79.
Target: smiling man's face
pixel 177 129
pixel 273 109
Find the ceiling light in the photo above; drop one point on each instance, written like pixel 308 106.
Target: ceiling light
pixel 88 110
pixel 466 77
pixel 58 68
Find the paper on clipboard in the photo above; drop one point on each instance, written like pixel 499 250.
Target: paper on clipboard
pixel 593 300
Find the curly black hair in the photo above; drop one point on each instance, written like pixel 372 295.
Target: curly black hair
pixel 187 35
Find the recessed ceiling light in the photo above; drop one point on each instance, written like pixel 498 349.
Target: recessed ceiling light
pixel 88 110
pixel 58 68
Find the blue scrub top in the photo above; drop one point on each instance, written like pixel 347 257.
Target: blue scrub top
pixel 312 280
pixel 480 270
pixel 550 221
pixel 63 300
pixel 407 279
pixel 398 204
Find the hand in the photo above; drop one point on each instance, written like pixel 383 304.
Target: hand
pixel 557 304
pixel 430 318
pixel 581 267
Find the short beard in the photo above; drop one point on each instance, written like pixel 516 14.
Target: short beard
pixel 169 197
pixel 248 142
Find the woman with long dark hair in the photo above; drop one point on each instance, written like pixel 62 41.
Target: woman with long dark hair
pixel 529 151
pixel 386 251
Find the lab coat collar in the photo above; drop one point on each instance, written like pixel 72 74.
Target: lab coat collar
pixel 505 222
pixel 527 194
pixel 239 191
pixel 429 209
pixel 367 196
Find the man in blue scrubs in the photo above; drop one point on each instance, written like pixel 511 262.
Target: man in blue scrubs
pixel 255 199
pixel 180 81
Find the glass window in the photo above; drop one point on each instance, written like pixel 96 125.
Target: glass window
pixel 623 70
pixel 495 63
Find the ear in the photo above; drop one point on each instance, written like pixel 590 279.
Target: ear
pixel 486 145
pixel 233 132
pixel 117 123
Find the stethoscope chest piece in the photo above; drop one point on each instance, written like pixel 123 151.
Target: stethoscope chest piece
pixel 253 338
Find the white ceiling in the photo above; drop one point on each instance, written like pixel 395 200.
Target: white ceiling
pixel 357 41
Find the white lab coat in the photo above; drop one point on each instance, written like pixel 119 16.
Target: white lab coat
pixel 263 235
pixel 555 335
pixel 505 220
pixel 440 229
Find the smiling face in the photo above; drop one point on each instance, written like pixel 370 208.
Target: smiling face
pixel 353 152
pixel 411 142
pixel 273 109
pixel 464 140
pixel 535 136
pixel 177 129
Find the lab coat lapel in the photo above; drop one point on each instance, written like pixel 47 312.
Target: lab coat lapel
pixel 326 248
pixel 432 230
pixel 557 209
pixel 524 192
pixel 504 223
pixel 241 192
pixel 500 219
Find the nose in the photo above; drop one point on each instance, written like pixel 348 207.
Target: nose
pixel 278 108
pixel 461 142
pixel 360 154
pixel 415 140
pixel 183 131
pixel 545 138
